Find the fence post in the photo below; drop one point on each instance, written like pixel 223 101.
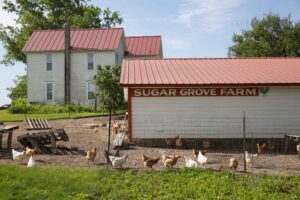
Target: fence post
pixel 244 138
pixel 109 127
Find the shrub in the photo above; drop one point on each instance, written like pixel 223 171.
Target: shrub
pixel 18 106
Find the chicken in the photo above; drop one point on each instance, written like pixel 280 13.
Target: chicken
pixel 31 162
pixel 178 142
pixel 170 142
pixel 91 155
pixel 115 127
pixel 149 162
pixel 17 155
pixel 298 149
pixel 233 163
pixel 272 144
pixel 106 155
pixel 118 161
pixel 30 152
pixel 202 159
pixel 190 162
pixel 195 153
pixel 206 144
pixel 261 148
pixel 249 158
pixel 170 161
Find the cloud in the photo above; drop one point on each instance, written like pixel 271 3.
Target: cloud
pixel 176 43
pixel 7 18
pixel 209 15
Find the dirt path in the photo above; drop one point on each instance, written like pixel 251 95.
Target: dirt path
pixel 84 139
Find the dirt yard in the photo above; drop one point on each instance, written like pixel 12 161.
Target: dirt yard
pixel 84 139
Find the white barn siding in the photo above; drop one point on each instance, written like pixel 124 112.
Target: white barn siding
pixel 217 117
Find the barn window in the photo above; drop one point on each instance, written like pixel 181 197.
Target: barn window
pixel 90 91
pixel 49 64
pixel 90 61
pixel 49 91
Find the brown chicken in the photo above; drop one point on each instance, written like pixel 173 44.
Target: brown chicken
pixel 30 152
pixel 261 148
pixel 91 155
pixel 149 162
pixel 272 144
pixel 233 163
pixel 115 128
pixel 170 142
pixel 170 161
pixel 178 142
pixel 206 144
pixel 195 153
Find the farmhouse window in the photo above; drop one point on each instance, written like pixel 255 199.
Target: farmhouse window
pixel 49 62
pixel 90 61
pixel 49 88
pixel 116 58
pixel 90 91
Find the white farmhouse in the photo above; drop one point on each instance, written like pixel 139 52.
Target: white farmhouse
pixel 60 72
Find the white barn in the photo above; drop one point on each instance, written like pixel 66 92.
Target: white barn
pixel 207 98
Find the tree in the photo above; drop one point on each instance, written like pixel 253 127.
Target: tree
pixel 19 91
pixel 49 14
pixel 269 37
pixel 109 92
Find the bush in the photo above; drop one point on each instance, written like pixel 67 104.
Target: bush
pixel 18 106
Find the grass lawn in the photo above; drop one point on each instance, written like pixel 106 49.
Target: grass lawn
pixel 19 182
pixel 5 116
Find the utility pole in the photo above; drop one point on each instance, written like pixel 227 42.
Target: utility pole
pixel 109 130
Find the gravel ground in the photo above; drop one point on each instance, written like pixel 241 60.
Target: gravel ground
pixel 84 139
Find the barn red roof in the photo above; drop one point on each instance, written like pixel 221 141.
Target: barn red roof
pixel 53 40
pixel 211 71
pixel 143 45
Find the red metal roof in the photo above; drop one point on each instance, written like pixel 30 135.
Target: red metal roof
pixel 53 40
pixel 211 71
pixel 143 45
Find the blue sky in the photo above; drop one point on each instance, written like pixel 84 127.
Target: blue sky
pixel 189 28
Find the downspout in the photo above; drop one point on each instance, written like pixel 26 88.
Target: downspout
pixel 67 64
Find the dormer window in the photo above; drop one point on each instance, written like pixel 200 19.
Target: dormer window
pixel 90 61
pixel 49 63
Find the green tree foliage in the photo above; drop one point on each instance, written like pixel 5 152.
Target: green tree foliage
pixel 269 37
pixel 49 14
pixel 19 91
pixel 109 91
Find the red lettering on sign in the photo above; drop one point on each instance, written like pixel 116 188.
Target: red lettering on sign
pixel 169 92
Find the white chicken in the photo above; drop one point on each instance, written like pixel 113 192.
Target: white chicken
pixel 202 159
pixel 190 162
pixel 118 161
pixel 249 158
pixel 31 162
pixel 298 149
pixel 17 155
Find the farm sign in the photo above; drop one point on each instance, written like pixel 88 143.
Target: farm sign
pixel 168 92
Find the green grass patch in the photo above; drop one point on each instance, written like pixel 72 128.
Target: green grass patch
pixel 5 116
pixel 19 182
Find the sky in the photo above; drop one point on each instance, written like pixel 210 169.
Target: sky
pixel 189 28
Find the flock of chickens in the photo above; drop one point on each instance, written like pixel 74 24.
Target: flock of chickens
pixel 18 156
pixel 168 160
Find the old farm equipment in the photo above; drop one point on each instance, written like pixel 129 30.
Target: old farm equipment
pixel 46 136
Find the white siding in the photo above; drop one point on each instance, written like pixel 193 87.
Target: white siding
pixel 217 117
pixel 38 76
